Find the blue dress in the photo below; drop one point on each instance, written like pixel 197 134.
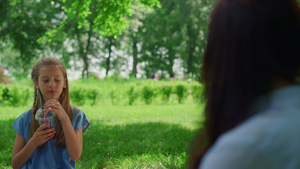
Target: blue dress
pixel 51 156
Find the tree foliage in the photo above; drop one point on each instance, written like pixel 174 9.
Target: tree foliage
pixel 176 31
pixel 108 17
pixel 22 23
pixel 141 35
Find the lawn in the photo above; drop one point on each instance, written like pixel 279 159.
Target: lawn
pixel 123 136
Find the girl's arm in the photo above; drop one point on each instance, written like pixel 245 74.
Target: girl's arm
pixel 73 138
pixel 22 151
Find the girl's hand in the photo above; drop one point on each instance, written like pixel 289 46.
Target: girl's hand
pixel 43 134
pixel 55 107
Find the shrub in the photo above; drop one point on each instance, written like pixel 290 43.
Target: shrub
pixel 181 92
pixel 77 95
pixel 19 96
pixel 147 93
pixel 166 92
pixel 91 94
pixel 197 90
pixel 5 94
pixel 132 94
pixel 115 94
pixel 14 95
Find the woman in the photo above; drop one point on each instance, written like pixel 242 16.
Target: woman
pixel 250 67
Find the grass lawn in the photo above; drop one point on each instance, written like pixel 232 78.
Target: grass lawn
pixel 121 136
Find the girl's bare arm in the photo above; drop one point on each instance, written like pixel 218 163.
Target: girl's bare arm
pixel 22 151
pixel 73 139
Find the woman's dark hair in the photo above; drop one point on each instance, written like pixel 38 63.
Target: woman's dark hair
pixel 249 42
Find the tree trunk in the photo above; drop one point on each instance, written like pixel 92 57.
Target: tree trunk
pixel 190 48
pixel 171 60
pixel 109 55
pixel 135 59
pixel 22 53
pixel 85 72
pixel 81 51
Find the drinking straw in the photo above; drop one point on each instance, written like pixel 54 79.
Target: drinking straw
pixel 46 117
pixel 41 103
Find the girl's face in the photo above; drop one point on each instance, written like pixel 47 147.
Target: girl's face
pixel 51 82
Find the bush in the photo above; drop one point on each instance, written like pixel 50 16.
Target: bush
pixel 92 94
pixel 19 96
pixel 181 92
pixel 147 93
pixel 77 95
pixel 5 94
pixel 115 95
pixel 88 92
pixel 132 94
pixel 14 95
pixel 197 90
pixel 166 91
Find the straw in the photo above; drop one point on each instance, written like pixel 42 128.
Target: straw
pixel 41 103
pixel 46 117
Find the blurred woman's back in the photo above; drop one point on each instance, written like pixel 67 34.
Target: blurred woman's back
pixel 251 62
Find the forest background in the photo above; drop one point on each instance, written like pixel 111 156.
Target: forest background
pixel 128 38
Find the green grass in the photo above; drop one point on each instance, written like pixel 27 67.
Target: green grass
pixel 123 136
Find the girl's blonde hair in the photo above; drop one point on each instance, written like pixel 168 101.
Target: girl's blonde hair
pixel 64 98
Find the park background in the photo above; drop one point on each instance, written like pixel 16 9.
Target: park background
pixel 110 48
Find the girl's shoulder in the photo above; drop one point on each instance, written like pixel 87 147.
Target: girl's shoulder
pixel 80 119
pixel 76 111
pixel 22 124
pixel 26 116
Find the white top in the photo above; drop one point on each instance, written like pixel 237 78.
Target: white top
pixel 268 140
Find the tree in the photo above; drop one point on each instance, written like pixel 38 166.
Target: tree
pixel 106 18
pixel 175 34
pixel 194 16
pixel 8 17
pixel 23 22
pixel 88 34
pixel 162 38
pixel 133 37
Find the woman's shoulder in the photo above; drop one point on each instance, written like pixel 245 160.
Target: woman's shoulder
pixel 237 148
pixel 258 141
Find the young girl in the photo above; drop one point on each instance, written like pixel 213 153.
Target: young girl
pixel 34 146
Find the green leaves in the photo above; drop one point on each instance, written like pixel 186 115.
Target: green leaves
pixel 109 18
pixel 167 36
pixel 166 91
pixel 14 95
pixel 132 94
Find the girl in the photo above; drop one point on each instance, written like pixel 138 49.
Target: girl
pixel 252 96
pixel 33 146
